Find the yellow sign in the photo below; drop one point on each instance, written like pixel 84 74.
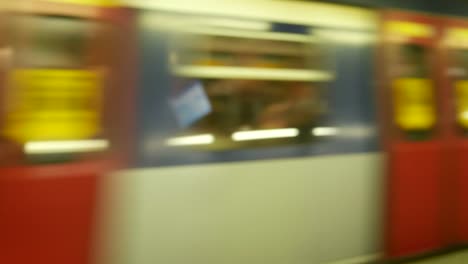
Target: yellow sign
pixel 461 94
pixel 53 104
pixel 409 29
pixel 414 103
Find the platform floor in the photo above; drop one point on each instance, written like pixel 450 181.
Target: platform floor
pixel 460 257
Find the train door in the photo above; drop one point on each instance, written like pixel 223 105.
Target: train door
pixel 412 134
pixel 454 57
pixel 59 130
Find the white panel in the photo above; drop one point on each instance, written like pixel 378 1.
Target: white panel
pixel 305 210
pixel 320 14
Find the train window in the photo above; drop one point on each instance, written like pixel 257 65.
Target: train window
pixel 414 103
pixel 54 82
pixel 237 88
pixel 49 41
pixel 409 61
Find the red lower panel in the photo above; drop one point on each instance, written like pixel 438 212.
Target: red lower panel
pixel 46 220
pixel 461 190
pixel 414 221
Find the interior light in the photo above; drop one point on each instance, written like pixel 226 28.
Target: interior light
pixel 324 131
pixel 202 139
pixel 350 37
pixel 50 147
pixel 265 134
pixel 236 23
pixel 176 21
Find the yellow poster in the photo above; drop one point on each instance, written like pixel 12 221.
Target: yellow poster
pixel 414 103
pixel 409 29
pixel 53 104
pixel 461 100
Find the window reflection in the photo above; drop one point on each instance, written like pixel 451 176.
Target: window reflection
pixel 241 88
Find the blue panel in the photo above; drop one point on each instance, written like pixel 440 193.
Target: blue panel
pixel 353 104
pixel 350 103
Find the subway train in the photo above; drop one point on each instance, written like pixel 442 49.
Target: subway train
pixel 157 131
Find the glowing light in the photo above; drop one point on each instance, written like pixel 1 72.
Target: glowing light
pixel 178 22
pixel 49 147
pixel 251 73
pixel 265 134
pixel 350 37
pixel 202 139
pixel 324 131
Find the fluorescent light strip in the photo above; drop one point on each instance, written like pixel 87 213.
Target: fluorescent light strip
pixel 203 139
pixel 358 131
pixel 51 147
pixel 178 22
pixel 295 12
pixel 236 23
pixel 348 37
pixel 251 34
pixel 238 28
pixel 265 134
pixel 251 73
pixel 324 131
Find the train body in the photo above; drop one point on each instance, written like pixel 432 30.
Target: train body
pixel 232 131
